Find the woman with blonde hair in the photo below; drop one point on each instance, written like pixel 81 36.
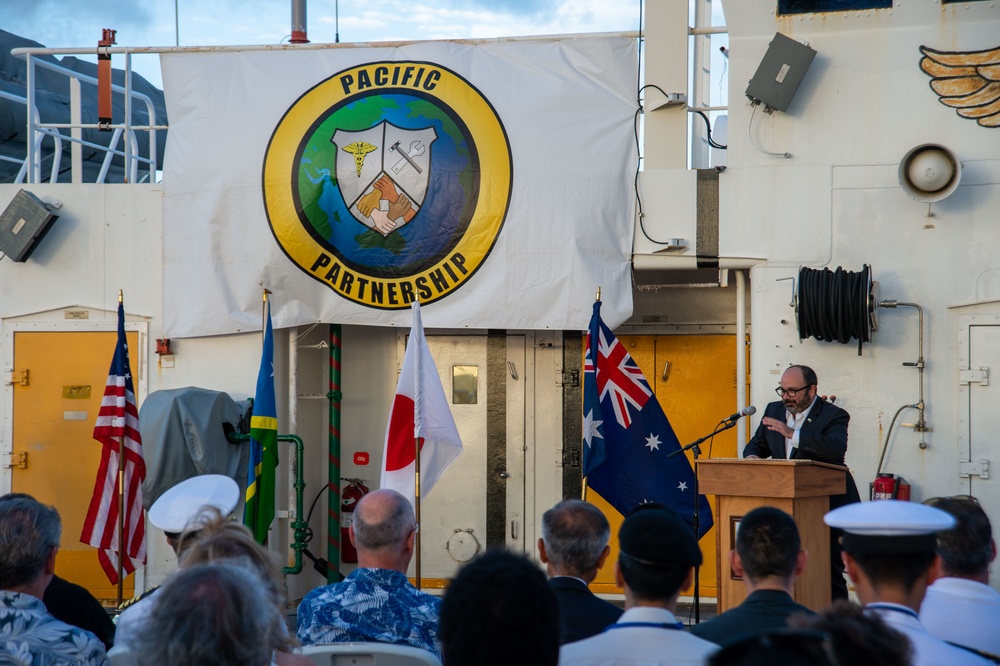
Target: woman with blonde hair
pixel 216 540
pixel 211 539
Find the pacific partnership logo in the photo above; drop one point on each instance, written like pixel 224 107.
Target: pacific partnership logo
pixel 389 182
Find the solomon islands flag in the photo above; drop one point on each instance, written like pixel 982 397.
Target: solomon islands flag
pixel 626 435
pixel 259 510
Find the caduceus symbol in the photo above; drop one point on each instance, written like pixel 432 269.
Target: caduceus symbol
pixel 359 149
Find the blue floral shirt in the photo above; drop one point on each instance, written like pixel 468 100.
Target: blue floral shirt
pixel 30 636
pixel 370 605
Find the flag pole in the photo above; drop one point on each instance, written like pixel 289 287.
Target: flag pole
pixel 583 479
pixel 121 494
pixel 263 312
pixel 263 338
pixel 418 423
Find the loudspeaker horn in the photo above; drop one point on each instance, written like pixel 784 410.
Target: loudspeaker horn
pixel 929 173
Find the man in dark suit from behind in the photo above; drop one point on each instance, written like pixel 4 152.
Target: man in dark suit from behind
pixel 574 546
pixel 768 556
pixel 74 604
pixel 805 426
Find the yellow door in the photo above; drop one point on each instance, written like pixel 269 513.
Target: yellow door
pixel 53 425
pixel 697 390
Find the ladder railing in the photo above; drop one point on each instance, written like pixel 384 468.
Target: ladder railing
pixel 122 142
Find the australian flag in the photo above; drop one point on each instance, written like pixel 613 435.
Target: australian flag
pixel 626 435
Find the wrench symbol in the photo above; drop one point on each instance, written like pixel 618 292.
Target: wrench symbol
pixel 417 148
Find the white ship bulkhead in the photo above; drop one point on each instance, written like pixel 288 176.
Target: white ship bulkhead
pixel 744 232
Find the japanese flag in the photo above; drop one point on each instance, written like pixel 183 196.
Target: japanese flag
pixel 420 411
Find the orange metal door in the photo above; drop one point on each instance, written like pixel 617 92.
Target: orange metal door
pixel 53 426
pixel 697 389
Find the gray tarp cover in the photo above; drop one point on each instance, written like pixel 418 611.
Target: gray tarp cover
pixel 183 436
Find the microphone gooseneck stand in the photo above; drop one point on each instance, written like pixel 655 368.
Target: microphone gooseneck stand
pixel 695 518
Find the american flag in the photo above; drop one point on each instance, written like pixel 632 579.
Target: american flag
pixel 118 426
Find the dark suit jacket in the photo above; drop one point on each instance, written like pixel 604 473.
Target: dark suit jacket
pixel 74 605
pixel 582 614
pixel 823 437
pixel 763 610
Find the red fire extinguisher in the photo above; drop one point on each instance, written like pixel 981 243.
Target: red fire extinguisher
pixel 888 486
pixel 352 492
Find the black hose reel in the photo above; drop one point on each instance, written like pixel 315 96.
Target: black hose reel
pixel 837 305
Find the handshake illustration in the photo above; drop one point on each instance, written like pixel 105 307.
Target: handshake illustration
pixel 386 221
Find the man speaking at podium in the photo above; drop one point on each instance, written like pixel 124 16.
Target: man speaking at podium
pixel 803 425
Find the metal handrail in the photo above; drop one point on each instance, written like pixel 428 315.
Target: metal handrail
pixel 23 162
pixel 37 130
pixel 698 103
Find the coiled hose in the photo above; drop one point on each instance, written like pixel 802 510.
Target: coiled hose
pixel 835 305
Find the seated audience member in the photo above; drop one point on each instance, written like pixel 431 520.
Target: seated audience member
pixel 212 540
pixel 74 604
pixel 784 647
pixel 858 637
pixel 375 602
pixel 768 556
pixel 220 542
pixel 209 615
pixel 889 552
pixel 573 547
pixel 655 562
pixel 960 607
pixel 29 634
pixel 842 635
pixel 499 610
pixel 175 512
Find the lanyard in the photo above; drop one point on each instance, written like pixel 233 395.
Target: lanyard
pixel 655 625
pixel 898 609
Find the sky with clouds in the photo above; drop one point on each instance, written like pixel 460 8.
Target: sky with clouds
pixel 78 23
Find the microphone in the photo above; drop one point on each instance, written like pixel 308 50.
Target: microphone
pixel 746 411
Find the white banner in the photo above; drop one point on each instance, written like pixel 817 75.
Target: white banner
pixel 491 181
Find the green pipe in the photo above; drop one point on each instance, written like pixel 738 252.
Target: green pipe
pixel 299 525
pixel 333 496
pixel 300 528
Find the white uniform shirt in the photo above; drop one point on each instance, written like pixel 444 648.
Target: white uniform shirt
pixel 964 612
pixel 927 650
pixel 131 626
pixel 642 636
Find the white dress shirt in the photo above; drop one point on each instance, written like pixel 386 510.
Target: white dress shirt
pixel 795 421
pixel 927 650
pixel 643 636
pixel 964 612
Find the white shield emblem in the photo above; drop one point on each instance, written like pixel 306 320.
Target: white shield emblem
pixel 383 173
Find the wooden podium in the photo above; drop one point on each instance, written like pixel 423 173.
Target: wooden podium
pixel 800 488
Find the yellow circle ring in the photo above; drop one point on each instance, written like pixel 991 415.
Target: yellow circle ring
pixel 490 211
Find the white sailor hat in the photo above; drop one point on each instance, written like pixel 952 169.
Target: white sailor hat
pixel 889 527
pixel 175 509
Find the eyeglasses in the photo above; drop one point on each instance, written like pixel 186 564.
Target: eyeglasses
pixel 792 392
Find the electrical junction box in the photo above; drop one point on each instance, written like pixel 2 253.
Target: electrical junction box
pixel 23 225
pixel 780 72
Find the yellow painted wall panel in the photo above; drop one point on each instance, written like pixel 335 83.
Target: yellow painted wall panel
pixel 54 419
